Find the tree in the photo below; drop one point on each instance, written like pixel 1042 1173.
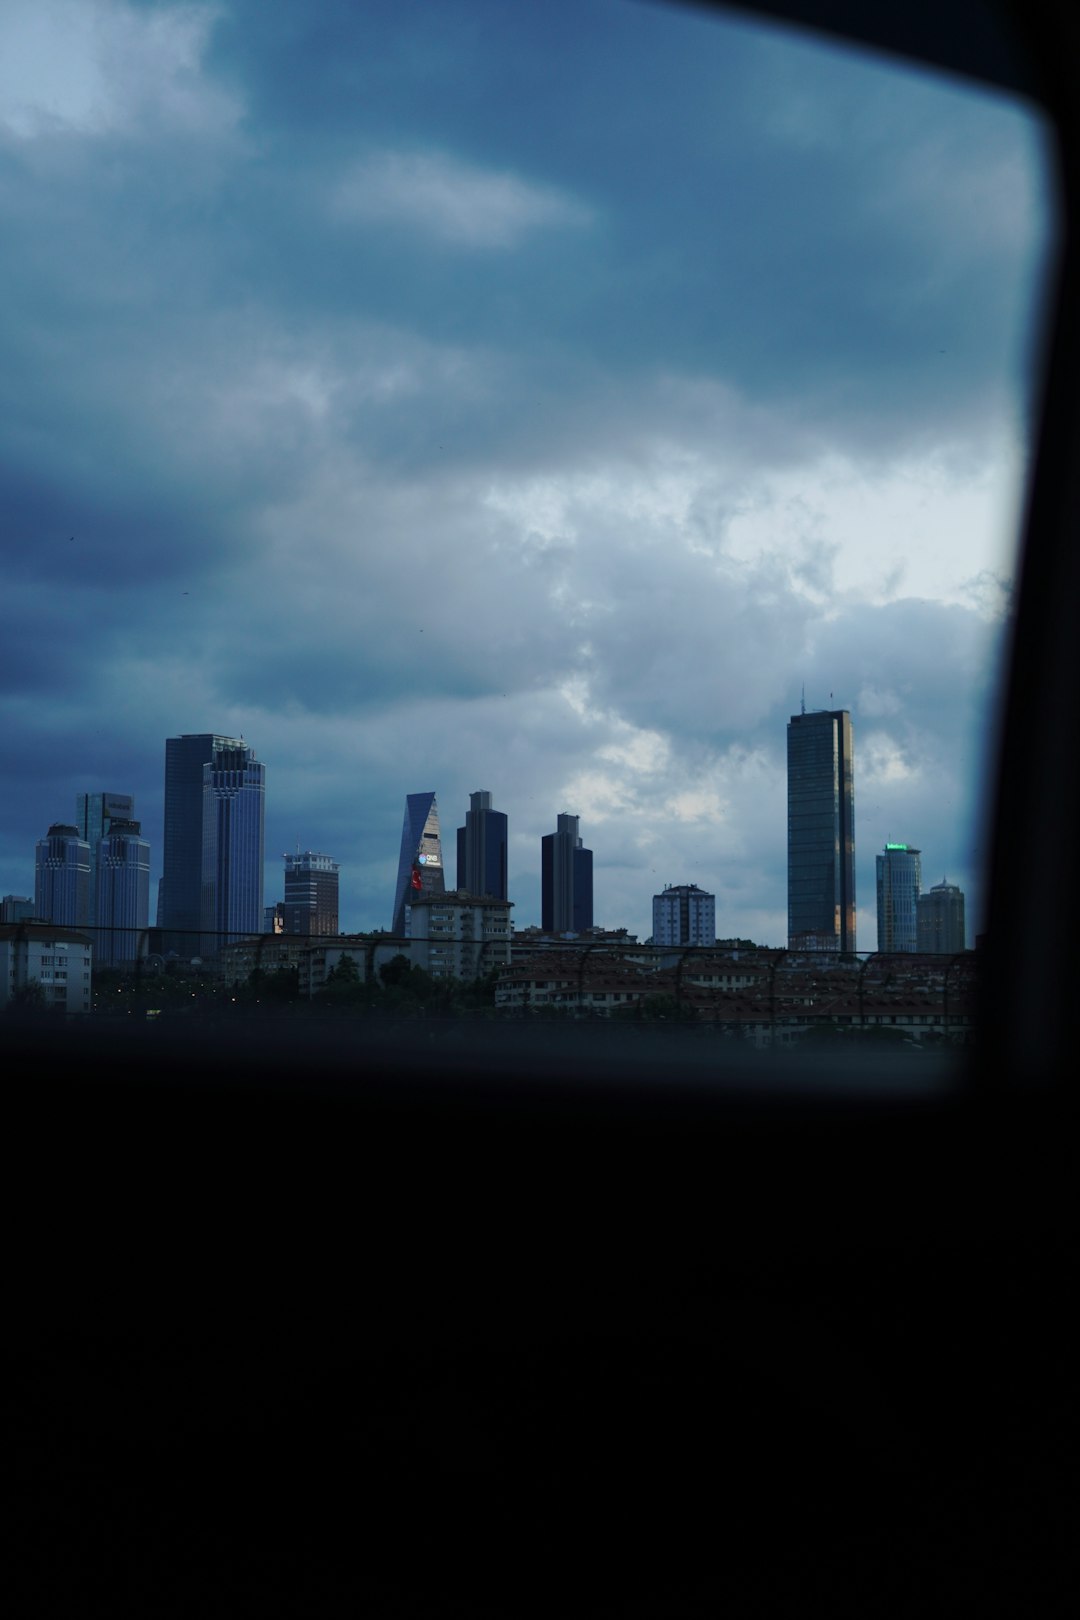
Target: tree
pixel 396 971
pixel 344 985
pixel 28 1000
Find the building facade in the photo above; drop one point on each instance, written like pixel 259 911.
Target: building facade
pixel 821 831
pixel 234 805
pixel 62 877
pixel 940 923
pixel 311 894
pixel 420 862
pixel 481 849
pixel 180 898
pixel 57 960
pixel 94 815
pixel 122 899
pixel 899 881
pixel 566 880
pixel 16 908
pixel 460 936
pixel 684 915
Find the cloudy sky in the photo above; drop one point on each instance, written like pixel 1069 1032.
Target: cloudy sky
pixel 456 394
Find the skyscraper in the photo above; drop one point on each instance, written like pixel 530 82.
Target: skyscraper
pixel 94 815
pixel 180 894
pixel 684 915
pixel 420 863
pixel 481 849
pixel 940 923
pixel 566 880
pixel 234 799
pixel 899 879
pixel 311 894
pixel 123 893
pixel 62 877
pixel 16 908
pixel 821 831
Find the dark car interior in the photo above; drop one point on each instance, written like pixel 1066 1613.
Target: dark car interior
pixel 456 1331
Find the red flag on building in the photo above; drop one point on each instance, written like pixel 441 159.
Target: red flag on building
pixel 417 881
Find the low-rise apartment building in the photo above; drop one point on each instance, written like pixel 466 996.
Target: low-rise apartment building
pixel 59 960
pixel 457 935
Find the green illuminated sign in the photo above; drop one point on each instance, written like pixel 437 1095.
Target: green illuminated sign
pixel 896 846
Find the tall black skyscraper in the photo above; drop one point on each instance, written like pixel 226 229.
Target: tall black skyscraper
pixel 234 798
pixel 212 846
pixel 481 849
pixel 821 831
pixel 566 880
pixel 420 863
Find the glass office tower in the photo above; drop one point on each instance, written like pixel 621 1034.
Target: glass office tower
pixel 566 880
pixel 94 815
pixel 62 877
pixel 481 849
pixel 180 896
pixel 420 862
pixel 899 880
pixel 234 798
pixel 821 831
pixel 122 903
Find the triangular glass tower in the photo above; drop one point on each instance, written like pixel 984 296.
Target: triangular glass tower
pixel 420 864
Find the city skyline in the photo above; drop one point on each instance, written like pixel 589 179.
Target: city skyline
pixel 311 881
pixel 415 425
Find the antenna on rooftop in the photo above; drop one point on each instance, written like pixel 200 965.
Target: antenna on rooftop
pixel 804 697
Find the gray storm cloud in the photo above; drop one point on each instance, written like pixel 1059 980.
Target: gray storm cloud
pixel 417 395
